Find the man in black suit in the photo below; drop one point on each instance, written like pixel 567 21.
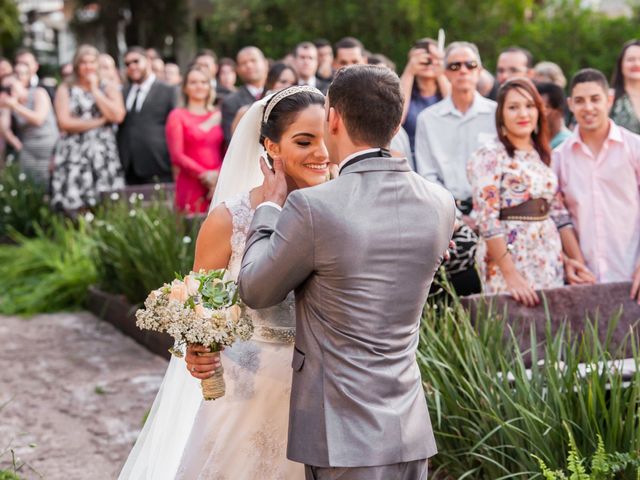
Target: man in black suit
pixel 306 64
pixel 208 60
pixel 141 137
pixel 26 57
pixel 252 69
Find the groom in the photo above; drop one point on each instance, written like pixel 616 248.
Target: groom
pixel 360 252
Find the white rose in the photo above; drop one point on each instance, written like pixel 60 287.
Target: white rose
pixel 178 291
pixel 192 284
pixel 203 312
pixel 233 313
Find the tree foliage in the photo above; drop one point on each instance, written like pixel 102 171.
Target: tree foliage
pixel 556 30
pixel 10 31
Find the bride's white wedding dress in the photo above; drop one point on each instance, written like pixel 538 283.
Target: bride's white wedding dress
pixel 243 435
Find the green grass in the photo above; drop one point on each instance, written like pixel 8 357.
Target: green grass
pixel 47 273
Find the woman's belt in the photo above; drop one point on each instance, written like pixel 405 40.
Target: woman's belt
pixel 269 334
pixel 534 210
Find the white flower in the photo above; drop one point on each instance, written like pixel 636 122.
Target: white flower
pixel 157 187
pixel 89 217
pixel 179 291
pixel 140 196
pixel 14 193
pixel 192 284
pixel 109 228
pixel 7 209
pixel 132 198
pixel 186 239
pixel 1 187
pixel 156 223
pixel 92 201
pixel 132 213
pixel 114 196
pixel 22 177
pixel 203 312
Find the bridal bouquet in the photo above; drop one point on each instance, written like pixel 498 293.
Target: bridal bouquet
pixel 200 308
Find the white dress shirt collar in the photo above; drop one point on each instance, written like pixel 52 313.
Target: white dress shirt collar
pixel 255 91
pixel 311 82
pixel 144 88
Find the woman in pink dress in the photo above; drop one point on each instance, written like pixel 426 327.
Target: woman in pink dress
pixel 195 141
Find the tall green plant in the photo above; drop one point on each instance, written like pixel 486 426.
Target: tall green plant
pixel 491 414
pixel 138 249
pixel 47 273
pixel 22 203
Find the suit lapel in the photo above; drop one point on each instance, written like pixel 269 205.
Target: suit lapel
pixel 150 93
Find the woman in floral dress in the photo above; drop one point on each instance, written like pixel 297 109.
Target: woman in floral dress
pixel 86 161
pixel 534 246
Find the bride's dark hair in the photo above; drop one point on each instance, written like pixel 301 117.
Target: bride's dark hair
pixel 285 112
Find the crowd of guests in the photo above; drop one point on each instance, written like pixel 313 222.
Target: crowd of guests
pixel 545 172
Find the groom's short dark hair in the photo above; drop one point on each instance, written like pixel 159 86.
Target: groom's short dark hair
pixel 369 100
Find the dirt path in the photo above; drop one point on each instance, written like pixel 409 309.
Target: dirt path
pixel 75 389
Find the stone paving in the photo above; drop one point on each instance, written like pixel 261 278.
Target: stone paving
pixel 73 395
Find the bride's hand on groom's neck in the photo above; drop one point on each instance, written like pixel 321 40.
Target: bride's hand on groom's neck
pixel 274 187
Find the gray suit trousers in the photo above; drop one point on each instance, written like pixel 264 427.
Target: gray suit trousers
pixel 416 470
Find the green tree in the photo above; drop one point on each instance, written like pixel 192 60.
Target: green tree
pixel 558 30
pixel 10 30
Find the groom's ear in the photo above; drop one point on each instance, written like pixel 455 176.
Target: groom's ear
pixel 334 120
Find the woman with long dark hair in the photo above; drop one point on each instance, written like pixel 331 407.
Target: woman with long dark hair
pixel 626 83
pixel 526 238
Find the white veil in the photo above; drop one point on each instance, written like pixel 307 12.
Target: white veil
pixel 159 447
pixel 241 167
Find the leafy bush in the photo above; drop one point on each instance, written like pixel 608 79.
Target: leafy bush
pixel 22 203
pixel 604 466
pixel 47 273
pixel 138 249
pixel 491 414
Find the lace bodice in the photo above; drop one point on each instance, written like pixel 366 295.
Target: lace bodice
pixel 273 324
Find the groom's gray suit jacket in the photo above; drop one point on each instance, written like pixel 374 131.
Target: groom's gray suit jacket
pixel 360 252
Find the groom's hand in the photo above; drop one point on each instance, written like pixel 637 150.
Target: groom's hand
pixel 274 187
pixel 198 366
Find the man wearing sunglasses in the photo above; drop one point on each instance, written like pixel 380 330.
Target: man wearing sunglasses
pixel 141 138
pixel 447 133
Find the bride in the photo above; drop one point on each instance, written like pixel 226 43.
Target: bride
pixel 242 435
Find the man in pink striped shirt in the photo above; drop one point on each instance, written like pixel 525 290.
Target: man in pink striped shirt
pixel 598 168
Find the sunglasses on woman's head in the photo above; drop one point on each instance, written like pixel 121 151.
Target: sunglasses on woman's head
pixel 455 66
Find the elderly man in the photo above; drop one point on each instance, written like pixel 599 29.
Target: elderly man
pixel 447 133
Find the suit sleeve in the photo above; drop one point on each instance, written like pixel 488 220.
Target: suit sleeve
pixel 279 254
pixel 228 110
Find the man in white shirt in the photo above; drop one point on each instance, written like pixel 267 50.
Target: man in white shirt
pixel 448 132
